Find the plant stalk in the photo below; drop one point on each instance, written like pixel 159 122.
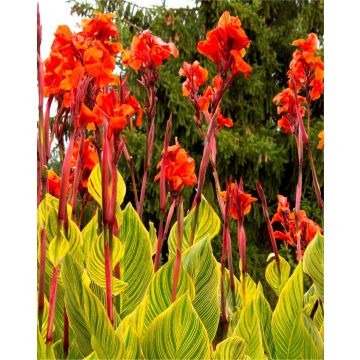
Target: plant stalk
pixel 180 232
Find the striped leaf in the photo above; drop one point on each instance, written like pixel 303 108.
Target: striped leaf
pixel 58 248
pixel 313 342
pixel 275 278
pixel 44 352
pixel 177 333
pixel 87 316
pixel 136 265
pixel 153 237
pixel 286 322
pixel 310 299
pixel 89 234
pixel 95 187
pixel 319 317
pixel 131 339
pixel 201 265
pixel 264 312
pixel 314 263
pixel 95 264
pixel 231 348
pixel 158 296
pixel 208 226
pixel 249 329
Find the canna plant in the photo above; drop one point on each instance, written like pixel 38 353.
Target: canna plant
pixel 104 291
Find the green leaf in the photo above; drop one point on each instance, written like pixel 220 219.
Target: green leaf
pixel 310 299
pixel 201 265
pixel 264 312
pixel 44 351
pixel 158 296
pixel 276 279
pixel 286 321
pixel 249 329
pixel 231 348
pixel 95 264
pixel 131 339
pixel 313 342
pixel 208 226
pixel 88 317
pixel 136 267
pixel 95 187
pixel 177 333
pixel 89 234
pixel 153 237
pixel 314 263
pixel 319 317
pixel 58 248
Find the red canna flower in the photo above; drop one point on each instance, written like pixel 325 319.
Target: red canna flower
pixel 89 159
pixel 54 182
pixel 179 169
pixel 321 141
pixel 286 106
pixel 148 51
pixel 196 76
pixel 241 202
pixel 307 69
pixel 225 45
pixel 306 228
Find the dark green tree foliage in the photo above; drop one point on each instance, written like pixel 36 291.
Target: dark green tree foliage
pixel 253 148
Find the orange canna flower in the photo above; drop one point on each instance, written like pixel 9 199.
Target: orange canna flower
pixel 306 228
pixel 54 182
pixel 179 169
pixel 241 202
pixel 148 51
pixel 196 75
pixel 90 158
pixel 225 45
pixel 321 141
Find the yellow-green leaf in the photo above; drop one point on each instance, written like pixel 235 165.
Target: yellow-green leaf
pixel 89 234
pixel 208 225
pixel 95 187
pixel 314 263
pixel 249 329
pixel 58 248
pixel 201 265
pixel 177 333
pixel 95 264
pixel 264 312
pixel 285 324
pixel 136 266
pixel 153 237
pixel 231 348
pixel 275 278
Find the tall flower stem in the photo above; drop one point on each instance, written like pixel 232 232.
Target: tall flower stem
pixel 268 222
pixel 313 170
pixel 130 163
pixel 207 152
pixel 242 252
pixel 106 203
pixel 169 218
pixel 162 194
pixel 41 290
pixel 77 175
pixel 52 300
pixel 180 232
pixel 150 141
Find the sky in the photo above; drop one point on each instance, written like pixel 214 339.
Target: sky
pixel 56 12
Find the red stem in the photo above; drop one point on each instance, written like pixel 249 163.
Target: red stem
pixel 267 218
pixel 42 276
pixel 129 160
pixel 180 231
pixel 47 127
pixel 52 300
pixel 66 334
pixel 168 219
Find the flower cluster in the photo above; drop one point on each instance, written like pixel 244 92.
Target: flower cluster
pixel 148 51
pixel 225 45
pixel 179 168
pixel 89 159
pixel 240 201
pixel 90 52
pixel 307 69
pixel 54 183
pixel 305 229
pixel 286 105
